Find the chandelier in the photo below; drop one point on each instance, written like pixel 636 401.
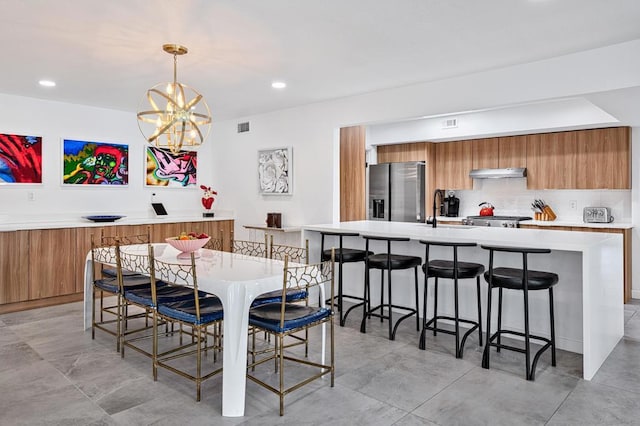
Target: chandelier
pixel 173 115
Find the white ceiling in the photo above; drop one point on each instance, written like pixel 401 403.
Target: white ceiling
pixel 107 53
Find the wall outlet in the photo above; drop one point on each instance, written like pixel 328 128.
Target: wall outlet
pixel 573 205
pixel 31 196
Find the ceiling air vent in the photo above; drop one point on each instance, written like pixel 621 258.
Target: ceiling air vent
pixel 450 123
pixel 243 127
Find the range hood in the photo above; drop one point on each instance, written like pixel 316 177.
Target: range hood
pixel 516 172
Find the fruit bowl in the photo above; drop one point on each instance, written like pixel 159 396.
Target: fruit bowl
pixel 187 246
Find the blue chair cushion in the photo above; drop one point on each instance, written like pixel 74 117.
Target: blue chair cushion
pixel 293 295
pixel 268 316
pixel 185 310
pixel 130 283
pixel 113 272
pixel 164 294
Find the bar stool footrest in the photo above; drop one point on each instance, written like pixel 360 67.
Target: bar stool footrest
pixel 381 315
pixel 427 326
pixel 547 345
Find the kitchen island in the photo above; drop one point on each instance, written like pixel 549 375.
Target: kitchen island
pixel 588 297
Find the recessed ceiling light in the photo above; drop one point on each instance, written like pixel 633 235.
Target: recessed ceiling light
pixel 47 83
pixel 278 84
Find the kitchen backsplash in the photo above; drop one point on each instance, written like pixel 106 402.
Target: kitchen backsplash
pixel 511 197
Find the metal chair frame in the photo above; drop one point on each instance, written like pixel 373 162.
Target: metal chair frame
pixel 300 278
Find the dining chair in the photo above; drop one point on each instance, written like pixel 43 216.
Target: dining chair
pixel 198 312
pixel 294 254
pixel 143 298
pixel 283 318
pixel 103 258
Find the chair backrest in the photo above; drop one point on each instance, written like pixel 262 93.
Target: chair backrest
pixel 295 254
pixel 182 274
pixel 454 245
pixel 524 251
pixel 250 248
pixel 137 261
pixel 307 278
pixel 216 243
pixel 103 249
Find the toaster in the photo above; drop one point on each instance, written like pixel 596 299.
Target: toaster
pixel 597 215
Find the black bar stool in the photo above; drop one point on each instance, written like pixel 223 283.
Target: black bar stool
pixel 387 261
pixel 523 280
pixel 452 270
pixel 343 255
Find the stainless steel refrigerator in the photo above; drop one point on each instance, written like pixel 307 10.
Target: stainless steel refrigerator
pixel 396 192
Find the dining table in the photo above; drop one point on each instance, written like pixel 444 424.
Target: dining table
pixel 237 280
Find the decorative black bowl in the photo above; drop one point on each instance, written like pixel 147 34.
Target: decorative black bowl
pixel 103 218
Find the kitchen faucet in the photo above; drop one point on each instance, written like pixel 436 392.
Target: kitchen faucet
pixel 438 193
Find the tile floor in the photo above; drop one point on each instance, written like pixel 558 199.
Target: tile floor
pixel 53 373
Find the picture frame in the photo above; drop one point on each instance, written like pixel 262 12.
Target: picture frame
pixel 165 169
pixel 20 159
pixel 104 164
pixel 275 171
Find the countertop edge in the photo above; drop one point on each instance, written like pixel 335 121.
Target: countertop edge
pixel 85 223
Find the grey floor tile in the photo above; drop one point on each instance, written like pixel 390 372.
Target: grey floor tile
pixel 596 404
pixel 486 397
pixel 16 355
pixel 407 377
pixel 622 367
pixel 65 406
pixel 412 420
pixel 632 327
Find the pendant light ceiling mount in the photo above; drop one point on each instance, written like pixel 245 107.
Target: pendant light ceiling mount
pixel 178 116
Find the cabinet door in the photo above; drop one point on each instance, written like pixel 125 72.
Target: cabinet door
pixel 551 160
pixel 161 231
pixel 52 255
pixel 603 159
pixel 14 266
pixel 453 164
pixel 401 153
pixel 485 153
pixel 512 151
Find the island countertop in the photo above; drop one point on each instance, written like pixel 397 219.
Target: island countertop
pixel 589 296
pixel 511 237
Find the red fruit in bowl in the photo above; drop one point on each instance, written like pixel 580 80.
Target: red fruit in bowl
pixel 203 236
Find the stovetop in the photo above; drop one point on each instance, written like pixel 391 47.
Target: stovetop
pixel 495 221
pixel 513 218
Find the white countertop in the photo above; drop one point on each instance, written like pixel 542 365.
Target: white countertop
pixel 13 223
pixel 512 237
pixel 551 223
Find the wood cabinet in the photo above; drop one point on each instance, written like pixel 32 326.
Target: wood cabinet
pixel 453 162
pixel 583 159
pixel 485 152
pixel 401 153
pixel 14 266
pixel 603 158
pixel 551 160
pixel 512 152
pixel 352 174
pixel 52 262
pixel 43 267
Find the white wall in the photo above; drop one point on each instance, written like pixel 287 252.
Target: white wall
pixel 53 121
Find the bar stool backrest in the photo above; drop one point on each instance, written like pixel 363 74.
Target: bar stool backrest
pixel 340 236
pixel 454 245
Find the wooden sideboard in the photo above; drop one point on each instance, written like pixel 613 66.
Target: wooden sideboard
pixel 44 267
